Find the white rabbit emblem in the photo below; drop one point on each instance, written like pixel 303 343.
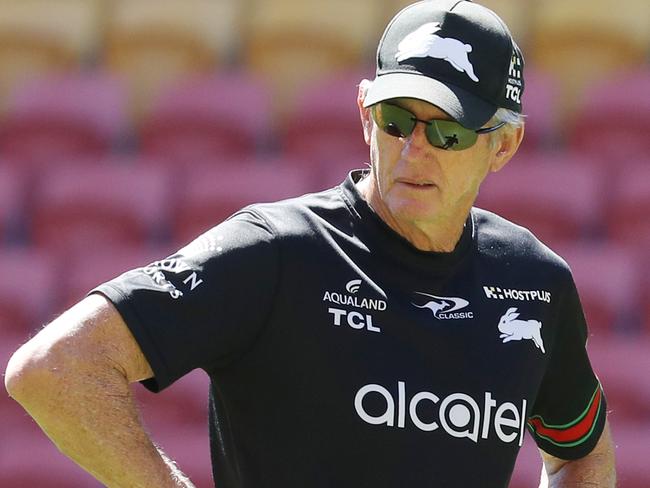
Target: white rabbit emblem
pixel 423 43
pixel 515 330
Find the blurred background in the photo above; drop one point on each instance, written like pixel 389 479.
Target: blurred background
pixel 127 127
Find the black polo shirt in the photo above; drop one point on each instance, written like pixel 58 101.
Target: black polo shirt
pixel 342 356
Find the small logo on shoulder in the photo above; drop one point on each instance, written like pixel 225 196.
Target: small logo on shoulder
pixel 513 329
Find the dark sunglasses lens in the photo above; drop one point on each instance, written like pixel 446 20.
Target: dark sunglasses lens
pixel 446 134
pixel 393 120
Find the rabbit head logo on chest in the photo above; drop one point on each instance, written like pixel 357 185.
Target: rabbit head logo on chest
pixel 513 329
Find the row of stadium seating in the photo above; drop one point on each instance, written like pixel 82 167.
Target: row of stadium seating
pixel 230 115
pixel 290 42
pixel 137 200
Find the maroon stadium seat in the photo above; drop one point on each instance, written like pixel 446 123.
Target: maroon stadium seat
pixel 612 122
pixel 77 208
pixel 325 123
pixel 557 196
pixel 28 289
pixel 12 201
pixel 622 362
pixel 53 119
pixel 225 116
pixel 608 278
pixel 29 459
pixel 628 211
pixel 212 192
pixel 540 100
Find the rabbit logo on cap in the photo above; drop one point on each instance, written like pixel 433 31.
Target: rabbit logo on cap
pixel 423 43
pixel 513 329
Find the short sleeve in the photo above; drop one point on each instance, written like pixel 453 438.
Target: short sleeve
pixel 570 409
pixel 203 306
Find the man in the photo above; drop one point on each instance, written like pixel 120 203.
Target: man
pixel 382 333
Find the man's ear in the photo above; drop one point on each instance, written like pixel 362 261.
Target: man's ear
pixel 366 118
pixel 506 146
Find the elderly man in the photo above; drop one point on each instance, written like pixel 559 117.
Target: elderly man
pixel 382 333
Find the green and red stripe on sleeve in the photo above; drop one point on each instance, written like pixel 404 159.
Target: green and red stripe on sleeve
pixel 573 433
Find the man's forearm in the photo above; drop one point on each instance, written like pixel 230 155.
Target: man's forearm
pixel 596 470
pixel 91 416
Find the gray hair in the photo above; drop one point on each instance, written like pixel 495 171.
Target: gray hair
pixel 509 117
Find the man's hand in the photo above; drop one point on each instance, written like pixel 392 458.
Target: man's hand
pixel 73 379
pixel 595 470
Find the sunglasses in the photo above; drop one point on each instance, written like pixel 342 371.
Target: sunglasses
pixel 443 134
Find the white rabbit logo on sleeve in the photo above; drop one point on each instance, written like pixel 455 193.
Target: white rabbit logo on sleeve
pixel 513 329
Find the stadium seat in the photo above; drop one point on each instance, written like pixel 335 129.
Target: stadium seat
pixel 78 208
pixel 185 403
pixel 226 116
pixel 540 105
pixel 325 122
pixel 581 41
pixel 29 459
pixel 12 202
pixel 608 278
pixel 153 43
pixel 212 192
pixel 631 440
pixel 293 43
pixel 28 289
pixel 629 204
pixel 558 196
pixel 54 119
pixel 622 361
pixel 612 121
pixel 40 36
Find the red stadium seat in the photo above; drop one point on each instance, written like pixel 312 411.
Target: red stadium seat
pixel 557 196
pixel 540 102
pixel 608 278
pixel 12 201
pixel 28 289
pixel 631 440
pixel 213 192
pixel 613 119
pixel 629 204
pixel 54 119
pixel 325 123
pixel 622 362
pixel 78 208
pixel 225 116
pixel 29 459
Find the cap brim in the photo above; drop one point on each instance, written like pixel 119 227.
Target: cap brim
pixel 472 112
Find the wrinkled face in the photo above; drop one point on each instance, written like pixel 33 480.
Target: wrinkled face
pixel 416 183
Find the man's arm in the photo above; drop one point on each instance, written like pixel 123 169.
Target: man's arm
pixel 73 379
pixel 595 470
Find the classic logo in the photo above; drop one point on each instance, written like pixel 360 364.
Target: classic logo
pixel 515 330
pixel 446 307
pixel 423 43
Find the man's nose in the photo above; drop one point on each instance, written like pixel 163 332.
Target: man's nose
pixel 416 145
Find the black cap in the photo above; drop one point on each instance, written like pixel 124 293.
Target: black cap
pixel 457 55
